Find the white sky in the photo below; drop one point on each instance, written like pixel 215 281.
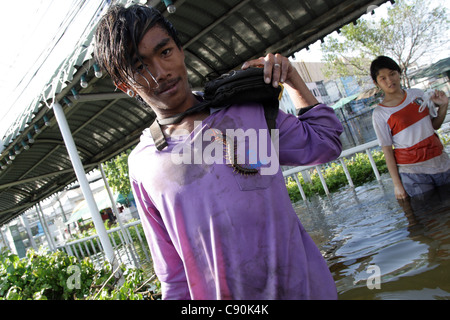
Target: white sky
pixel 29 30
pixel 315 55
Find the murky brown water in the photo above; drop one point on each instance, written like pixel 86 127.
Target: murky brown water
pixel 378 248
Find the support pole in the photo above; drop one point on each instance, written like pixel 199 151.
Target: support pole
pixel 44 225
pixel 25 223
pixel 347 173
pixel 84 184
pixel 373 164
pixel 322 179
pixel 300 188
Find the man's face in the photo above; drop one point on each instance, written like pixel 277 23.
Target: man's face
pixel 161 78
pixel 388 80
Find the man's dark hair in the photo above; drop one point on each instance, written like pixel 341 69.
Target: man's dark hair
pixel 118 35
pixel 383 62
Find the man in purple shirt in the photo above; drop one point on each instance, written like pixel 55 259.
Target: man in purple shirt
pixel 218 228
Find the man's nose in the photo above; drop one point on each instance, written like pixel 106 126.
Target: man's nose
pixel 160 73
pixel 150 77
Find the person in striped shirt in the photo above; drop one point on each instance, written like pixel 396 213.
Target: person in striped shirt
pixel 405 129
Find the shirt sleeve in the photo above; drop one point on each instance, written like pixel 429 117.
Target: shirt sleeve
pixel 167 263
pixel 382 129
pixel 311 138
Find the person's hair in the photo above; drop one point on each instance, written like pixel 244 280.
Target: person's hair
pixel 118 35
pixel 383 62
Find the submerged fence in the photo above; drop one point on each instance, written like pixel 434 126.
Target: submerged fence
pixel 367 147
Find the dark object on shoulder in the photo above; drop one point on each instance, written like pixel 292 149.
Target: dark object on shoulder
pixel 236 87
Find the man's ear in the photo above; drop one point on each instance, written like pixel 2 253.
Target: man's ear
pixel 122 86
pixel 125 88
pixel 182 52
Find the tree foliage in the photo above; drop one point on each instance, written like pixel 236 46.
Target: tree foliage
pixel 410 30
pixel 116 171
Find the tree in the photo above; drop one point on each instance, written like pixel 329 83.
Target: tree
pixel 411 29
pixel 116 171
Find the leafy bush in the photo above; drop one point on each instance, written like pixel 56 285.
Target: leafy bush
pixel 58 276
pixel 116 171
pixel 358 166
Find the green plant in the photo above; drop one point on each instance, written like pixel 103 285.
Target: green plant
pixel 116 171
pixel 358 166
pixel 58 276
pixel 44 276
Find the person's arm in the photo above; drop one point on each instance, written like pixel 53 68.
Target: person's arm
pixel 167 263
pixel 391 164
pixel 313 136
pixel 278 68
pixel 309 139
pixel 441 101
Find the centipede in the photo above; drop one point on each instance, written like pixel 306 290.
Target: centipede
pixel 231 155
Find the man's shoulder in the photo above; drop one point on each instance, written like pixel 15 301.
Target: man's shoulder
pixel 144 142
pixel 378 110
pixel 415 91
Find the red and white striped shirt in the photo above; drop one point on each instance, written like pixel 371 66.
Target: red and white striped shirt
pixel 409 129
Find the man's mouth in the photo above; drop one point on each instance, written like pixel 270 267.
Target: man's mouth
pixel 167 86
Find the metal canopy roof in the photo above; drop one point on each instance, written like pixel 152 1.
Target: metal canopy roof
pixel 440 67
pixel 217 36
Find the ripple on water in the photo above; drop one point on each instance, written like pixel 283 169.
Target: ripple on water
pixel 409 243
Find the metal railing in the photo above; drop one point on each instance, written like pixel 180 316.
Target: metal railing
pixel 125 247
pixel 358 149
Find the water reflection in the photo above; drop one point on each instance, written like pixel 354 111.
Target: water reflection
pixel 366 227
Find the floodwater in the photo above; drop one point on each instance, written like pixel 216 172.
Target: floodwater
pixel 379 248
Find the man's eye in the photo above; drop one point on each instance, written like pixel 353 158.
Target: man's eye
pixel 139 67
pixel 165 52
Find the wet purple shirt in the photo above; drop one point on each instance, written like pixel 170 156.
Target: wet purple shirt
pixel 216 233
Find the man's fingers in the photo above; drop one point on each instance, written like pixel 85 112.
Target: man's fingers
pixel 276 67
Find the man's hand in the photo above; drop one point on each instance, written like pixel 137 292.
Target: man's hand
pixel 277 68
pixel 440 98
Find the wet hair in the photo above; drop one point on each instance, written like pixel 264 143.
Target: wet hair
pixel 118 35
pixel 383 62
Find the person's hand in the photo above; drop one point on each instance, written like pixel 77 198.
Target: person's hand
pixel 400 192
pixel 439 98
pixel 277 68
